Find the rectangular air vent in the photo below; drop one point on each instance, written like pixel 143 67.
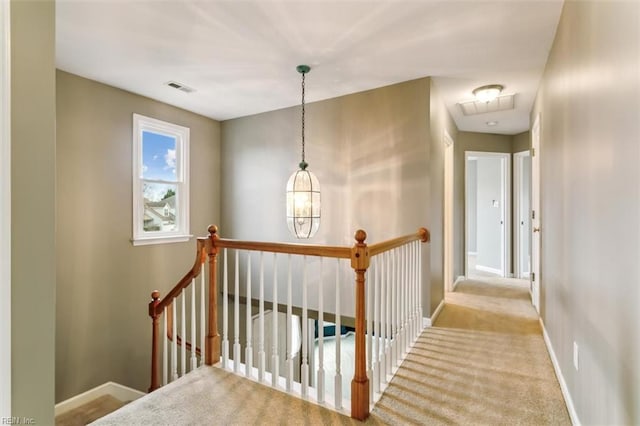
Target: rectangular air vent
pixel 180 86
pixel 501 103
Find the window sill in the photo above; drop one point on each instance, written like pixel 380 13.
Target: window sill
pixel 165 239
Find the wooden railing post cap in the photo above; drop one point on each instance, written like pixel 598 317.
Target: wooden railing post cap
pixel 213 230
pixel 155 295
pixel 425 237
pixel 360 236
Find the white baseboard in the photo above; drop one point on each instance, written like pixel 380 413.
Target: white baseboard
pixel 120 392
pixel 573 415
pixel 457 281
pixel 488 269
pixel 472 253
pixel 428 322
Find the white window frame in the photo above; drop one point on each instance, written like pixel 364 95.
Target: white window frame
pixel 181 135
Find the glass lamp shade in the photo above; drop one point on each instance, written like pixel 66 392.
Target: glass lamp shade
pixel 303 204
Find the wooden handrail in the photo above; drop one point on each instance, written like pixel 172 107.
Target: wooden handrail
pixel 186 280
pixel 300 249
pixel 422 235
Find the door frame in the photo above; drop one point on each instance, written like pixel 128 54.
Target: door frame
pixel 535 214
pixel 448 212
pixel 505 255
pixel 5 210
pixel 518 159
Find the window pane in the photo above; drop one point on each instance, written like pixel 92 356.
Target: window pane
pixel 159 207
pixel 158 156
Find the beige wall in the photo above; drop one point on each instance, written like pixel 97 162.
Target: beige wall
pixel 370 151
pixel 33 282
pixel 520 142
pixel 440 120
pixel 104 283
pixel 589 102
pixel 33 237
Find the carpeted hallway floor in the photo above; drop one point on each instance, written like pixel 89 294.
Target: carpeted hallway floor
pixel 484 362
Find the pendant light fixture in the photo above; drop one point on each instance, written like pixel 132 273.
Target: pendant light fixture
pixel 303 190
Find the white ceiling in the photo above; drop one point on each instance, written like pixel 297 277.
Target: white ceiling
pixel 240 56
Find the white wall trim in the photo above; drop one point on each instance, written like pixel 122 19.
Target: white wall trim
pixel 472 253
pixel 118 391
pixel 458 281
pixel 563 385
pixel 5 210
pixel 428 322
pixel 489 269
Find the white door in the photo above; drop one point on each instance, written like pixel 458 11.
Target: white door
pixel 522 214
pixel 448 213
pixel 535 214
pixel 488 213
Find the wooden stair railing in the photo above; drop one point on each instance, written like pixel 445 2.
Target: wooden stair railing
pixel 359 254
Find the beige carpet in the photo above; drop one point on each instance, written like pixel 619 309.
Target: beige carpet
pixel 89 412
pixel 484 362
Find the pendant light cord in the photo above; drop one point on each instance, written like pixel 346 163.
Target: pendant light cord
pixel 303 162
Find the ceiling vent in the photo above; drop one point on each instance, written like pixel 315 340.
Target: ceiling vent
pixel 501 103
pixel 180 86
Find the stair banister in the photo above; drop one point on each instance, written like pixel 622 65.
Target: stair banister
pixel 360 256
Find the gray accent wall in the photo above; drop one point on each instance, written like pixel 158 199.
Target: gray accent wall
pixel 103 331
pixel 589 104
pixel 371 152
pixel 33 243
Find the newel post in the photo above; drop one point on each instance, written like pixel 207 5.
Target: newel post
pixel 360 382
pixel 155 373
pixel 213 338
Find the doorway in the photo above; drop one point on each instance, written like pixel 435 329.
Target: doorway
pixel 535 214
pixel 522 214
pixel 5 213
pixel 448 213
pixel 488 213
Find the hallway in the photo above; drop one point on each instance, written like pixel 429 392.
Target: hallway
pixel 484 362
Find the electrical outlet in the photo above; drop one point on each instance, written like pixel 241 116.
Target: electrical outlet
pixel 575 355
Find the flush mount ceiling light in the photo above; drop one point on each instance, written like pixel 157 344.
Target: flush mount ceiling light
pixel 303 190
pixel 488 93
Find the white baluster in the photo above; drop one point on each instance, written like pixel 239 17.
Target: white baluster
pixel 338 379
pixel 420 285
pixel 289 330
pixel 369 335
pixel 320 380
pixel 236 317
pixel 304 379
pixel 394 311
pixel 412 323
pixel 194 339
pixel 165 353
pixel 248 351
pixel 183 336
pixel 225 313
pixel 387 345
pixel 376 321
pixel 203 323
pixel 174 345
pixel 383 316
pixel 401 324
pixel 275 359
pixel 261 354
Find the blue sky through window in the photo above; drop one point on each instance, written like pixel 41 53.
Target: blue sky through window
pixel 158 157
